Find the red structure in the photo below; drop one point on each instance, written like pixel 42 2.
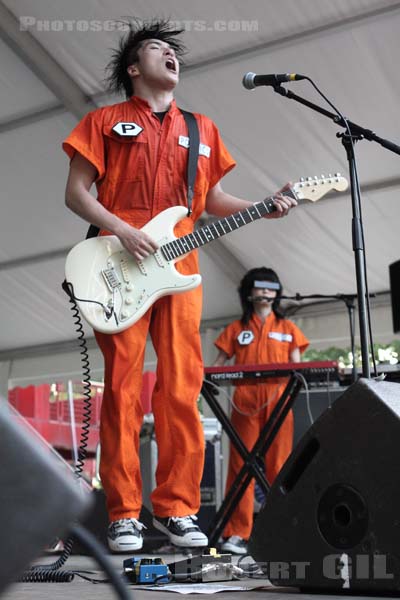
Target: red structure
pixel 47 408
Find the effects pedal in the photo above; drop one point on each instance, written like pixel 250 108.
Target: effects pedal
pixel 209 566
pixel 146 570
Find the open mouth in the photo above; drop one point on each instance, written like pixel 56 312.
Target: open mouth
pixel 171 66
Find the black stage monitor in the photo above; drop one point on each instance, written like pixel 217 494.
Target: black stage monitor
pixel 394 275
pixel 38 500
pixel 331 519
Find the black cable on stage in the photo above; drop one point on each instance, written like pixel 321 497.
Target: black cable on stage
pixel 94 549
pixel 44 575
pixel 89 542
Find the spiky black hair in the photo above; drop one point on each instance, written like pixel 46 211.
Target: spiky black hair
pixel 246 286
pixel 117 78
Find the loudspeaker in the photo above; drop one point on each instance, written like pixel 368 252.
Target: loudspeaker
pixel 394 276
pixel 332 518
pixel 38 499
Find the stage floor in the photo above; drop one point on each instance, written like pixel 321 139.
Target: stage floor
pixel 80 589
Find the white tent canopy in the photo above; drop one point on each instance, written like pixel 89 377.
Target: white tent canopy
pixel 53 55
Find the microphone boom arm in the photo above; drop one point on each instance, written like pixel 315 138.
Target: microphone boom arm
pixel 356 130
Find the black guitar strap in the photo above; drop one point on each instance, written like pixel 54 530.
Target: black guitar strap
pixel 194 144
pixel 93 231
pixel 191 172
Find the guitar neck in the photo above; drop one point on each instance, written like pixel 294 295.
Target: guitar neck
pixel 208 233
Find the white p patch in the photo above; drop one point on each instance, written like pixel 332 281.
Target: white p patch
pixel 281 337
pixel 127 129
pixel 204 150
pixel 245 337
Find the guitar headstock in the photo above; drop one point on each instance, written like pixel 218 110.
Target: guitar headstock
pixel 313 188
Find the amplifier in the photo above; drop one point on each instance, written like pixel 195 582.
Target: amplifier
pixel 306 410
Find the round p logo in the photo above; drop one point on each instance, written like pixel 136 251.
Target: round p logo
pixel 245 337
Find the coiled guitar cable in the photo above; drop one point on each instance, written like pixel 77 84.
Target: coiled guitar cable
pixel 91 545
pixel 52 573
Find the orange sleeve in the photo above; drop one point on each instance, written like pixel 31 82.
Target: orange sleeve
pixel 221 162
pixel 299 339
pixel 226 341
pixel 87 139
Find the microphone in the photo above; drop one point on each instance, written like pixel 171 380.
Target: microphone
pixel 251 80
pixel 260 299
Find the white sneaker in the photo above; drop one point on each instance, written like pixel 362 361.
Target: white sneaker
pixel 125 535
pixel 182 531
pixel 234 544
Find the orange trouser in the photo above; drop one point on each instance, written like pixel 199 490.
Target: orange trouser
pixel 248 428
pixel 173 323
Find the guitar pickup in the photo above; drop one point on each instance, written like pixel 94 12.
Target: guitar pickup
pixel 111 278
pixel 124 269
pixel 159 260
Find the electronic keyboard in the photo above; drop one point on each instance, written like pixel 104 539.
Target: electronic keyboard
pixel 312 371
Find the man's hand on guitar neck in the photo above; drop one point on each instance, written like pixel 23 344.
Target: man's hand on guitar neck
pixel 282 203
pixel 221 204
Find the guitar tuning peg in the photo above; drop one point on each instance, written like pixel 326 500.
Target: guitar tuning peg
pixel 330 175
pixel 302 179
pixel 322 176
pixel 337 175
pixel 309 178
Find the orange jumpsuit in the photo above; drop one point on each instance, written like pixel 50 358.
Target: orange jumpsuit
pixel 258 343
pixel 139 176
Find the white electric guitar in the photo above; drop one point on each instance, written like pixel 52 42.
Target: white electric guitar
pixel 113 290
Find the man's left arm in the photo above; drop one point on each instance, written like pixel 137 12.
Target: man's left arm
pixel 221 204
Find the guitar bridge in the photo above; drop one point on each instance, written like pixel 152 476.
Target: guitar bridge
pixel 111 278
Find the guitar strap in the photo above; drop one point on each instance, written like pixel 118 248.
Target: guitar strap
pixel 191 171
pixel 194 144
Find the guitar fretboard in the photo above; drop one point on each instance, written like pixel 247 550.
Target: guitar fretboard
pixel 208 233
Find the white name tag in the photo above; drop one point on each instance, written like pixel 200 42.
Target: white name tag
pixel 127 129
pixel 204 150
pixel 183 141
pixel 281 337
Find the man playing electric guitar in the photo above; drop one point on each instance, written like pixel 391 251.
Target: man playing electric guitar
pixel 136 154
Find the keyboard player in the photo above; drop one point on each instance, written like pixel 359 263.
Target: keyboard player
pixel 262 335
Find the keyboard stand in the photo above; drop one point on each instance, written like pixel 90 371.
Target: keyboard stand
pixel 253 460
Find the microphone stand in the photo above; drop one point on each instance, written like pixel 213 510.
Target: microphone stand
pixel 348 299
pixel 356 133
